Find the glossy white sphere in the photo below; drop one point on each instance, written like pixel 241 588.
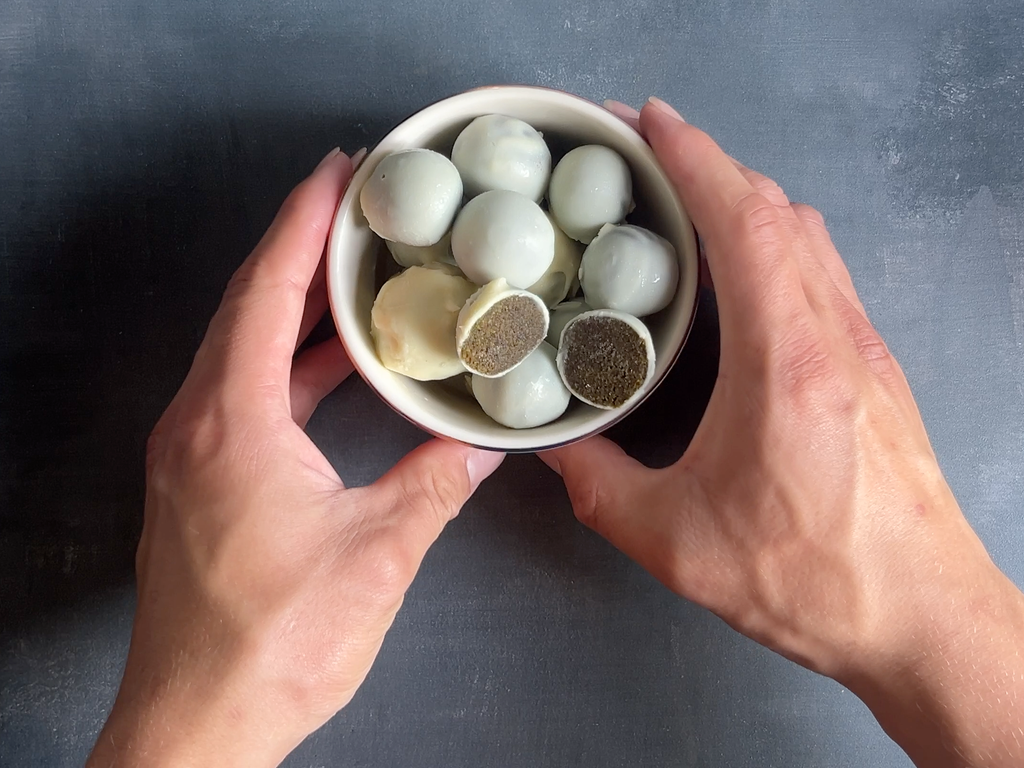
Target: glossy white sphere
pixel 590 187
pixel 499 152
pixel 412 197
pixel 629 269
pixel 530 395
pixel 562 278
pixel 503 234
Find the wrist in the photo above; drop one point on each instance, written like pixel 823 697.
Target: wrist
pixel 196 719
pixel 944 688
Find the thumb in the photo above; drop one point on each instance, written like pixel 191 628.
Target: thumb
pixel 428 487
pixel 625 502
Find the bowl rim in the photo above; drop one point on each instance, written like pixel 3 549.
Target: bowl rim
pixel 352 192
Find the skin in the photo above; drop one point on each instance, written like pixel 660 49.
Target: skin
pixel 809 511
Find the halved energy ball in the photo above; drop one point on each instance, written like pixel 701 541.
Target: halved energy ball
pixel 499 152
pixel 606 358
pixel 529 396
pixel 413 322
pixel 590 187
pixel 503 234
pixel 412 197
pixel 498 328
pixel 630 269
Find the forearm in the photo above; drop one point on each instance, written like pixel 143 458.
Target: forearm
pixel 957 699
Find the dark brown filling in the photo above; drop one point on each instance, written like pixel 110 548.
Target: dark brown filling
pixel 605 360
pixel 504 336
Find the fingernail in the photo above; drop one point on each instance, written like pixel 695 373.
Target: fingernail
pixel 665 108
pixel 357 158
pixel 619 109
pixel 327 158
pixel 481 464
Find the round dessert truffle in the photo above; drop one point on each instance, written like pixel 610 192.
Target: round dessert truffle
pixel 413 322
pixel 422 255
pixel 503 234
pixel 499 152
pixel 562 277
pixel 590 187
pixel 529 396
pixel 606 358
pixel 498 328
pixel 412 197
pixel 630 269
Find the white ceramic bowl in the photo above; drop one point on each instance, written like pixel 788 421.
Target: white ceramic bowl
pixel 356 259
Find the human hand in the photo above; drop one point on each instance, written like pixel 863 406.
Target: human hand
pixel 809 511
pixel 265 586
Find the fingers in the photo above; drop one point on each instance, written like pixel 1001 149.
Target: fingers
pixel 425 490
pixel 253 335
pixel 624 112
pixel 821 244
pixel 748 249
pixel 317 372
pixel 316 307
pixel 609 492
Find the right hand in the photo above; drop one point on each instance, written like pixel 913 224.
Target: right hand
pixel 809 511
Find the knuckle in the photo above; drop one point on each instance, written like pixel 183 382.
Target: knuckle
pixel 872 349
pixel 809 215
pixel 771 190
pixel 758 217
pixel 443 493
pixel 391 563
pixel 591 503
pixel 805 364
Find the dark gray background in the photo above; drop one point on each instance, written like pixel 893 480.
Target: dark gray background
pixel 145 146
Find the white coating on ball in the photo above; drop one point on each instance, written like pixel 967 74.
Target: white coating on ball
pixel 629 269
pixel 413 322
pixel 562 277
pixel 422 255
pixel 500 152
pixel 412 197
pixel 503 234
pixel 530 395
pixel 590 187
pixel 560 316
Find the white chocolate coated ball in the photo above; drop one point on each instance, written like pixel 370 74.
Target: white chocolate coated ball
pixel 590 187
pixel 421 255
pixel 629 269
pixel 530 395
pixel 413 322
pixel 562 277
pixel 503 234
pixel 412 197
pixel 499 152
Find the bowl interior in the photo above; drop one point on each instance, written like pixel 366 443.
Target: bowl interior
pixel 358 261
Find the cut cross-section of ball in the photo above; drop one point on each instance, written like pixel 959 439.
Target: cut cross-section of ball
pixel 498 328
pixel 606 358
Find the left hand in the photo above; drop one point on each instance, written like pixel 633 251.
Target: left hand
pixel 265 586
